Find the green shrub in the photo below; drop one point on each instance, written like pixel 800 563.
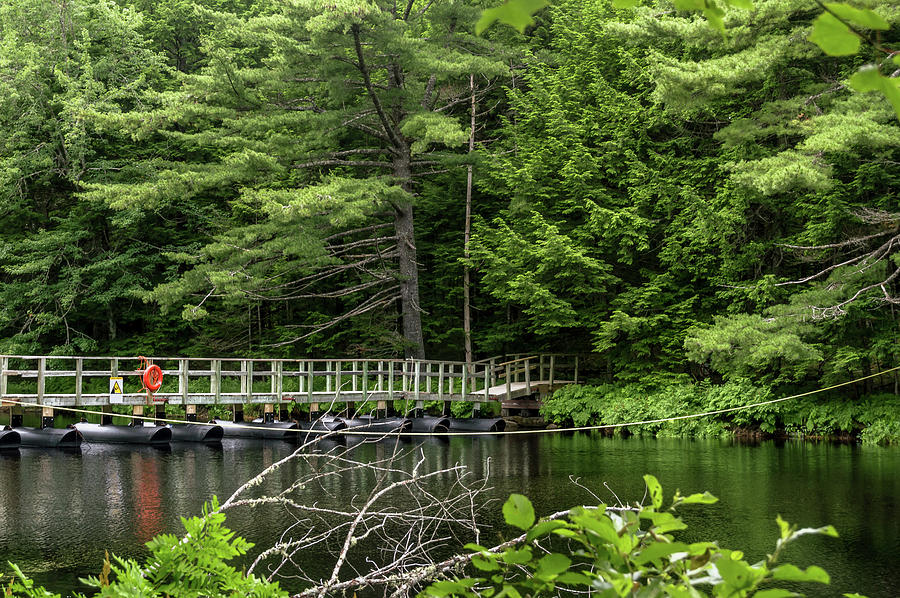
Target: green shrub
pixel 622 553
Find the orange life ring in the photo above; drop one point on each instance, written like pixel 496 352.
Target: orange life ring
pixel 152 378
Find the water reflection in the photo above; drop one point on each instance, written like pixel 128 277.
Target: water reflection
pixel 59 510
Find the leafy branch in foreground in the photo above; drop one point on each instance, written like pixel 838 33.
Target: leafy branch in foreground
pixel 614 551
pixel 610 552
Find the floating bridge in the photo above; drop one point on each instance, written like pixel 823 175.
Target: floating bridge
pixel 517 381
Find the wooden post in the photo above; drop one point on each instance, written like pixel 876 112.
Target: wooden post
pixel 353 380
pixel 428 378
pixel 528 376
pixel 576 369
pixel 42 368
pixel 541 368
pixel 16 415
pixel 313 411
pixel 268 413
pixel 416 383
pixel 328 364
pixel 4 365
pixel 215 380
pixel 365 380
pixel 160 409
pixel 462 382
pixel 47 417
pixel 390 381
pixel 138 412
pixel 552 364
pixel 487 389
pixel 190 412
pixel 310 372
pixel 440 380
pixel 275 384
pixel 183 382
pixel 79 380
pixel 301 368
pixel 508 382
pixel 450 379
pixel 493 372
pixel 248 381
pixel 337 381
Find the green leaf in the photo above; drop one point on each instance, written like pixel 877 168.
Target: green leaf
pixel 624 3
pixel 788 572
pixel 446 587
pixel 484 564
pixel 689 5
pixel 655 490
pixel 551 565
pixel 510 591
pixel 573 579
pixel 516 557
pixel 657 550
pixel 737 574
pixel 833 37
pixel 775 593
pixel 518 512
pixel 666 522
pixel 740 4
pixel 515 13
pixel 715 16
pixel 868 78
pixel 858 16
pixel 699 499
pixel 542 528
pixel 784 526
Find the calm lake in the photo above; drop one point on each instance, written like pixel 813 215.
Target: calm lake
pixel 59 511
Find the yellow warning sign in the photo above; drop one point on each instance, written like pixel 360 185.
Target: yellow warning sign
pixel 116 395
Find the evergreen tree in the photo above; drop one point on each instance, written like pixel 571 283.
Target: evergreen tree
pixel 310 127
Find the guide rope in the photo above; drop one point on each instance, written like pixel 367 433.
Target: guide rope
pixel 354 432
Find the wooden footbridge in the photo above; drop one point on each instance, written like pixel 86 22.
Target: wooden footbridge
pixel 48 382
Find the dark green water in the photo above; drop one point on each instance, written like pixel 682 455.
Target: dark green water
pixel 59 511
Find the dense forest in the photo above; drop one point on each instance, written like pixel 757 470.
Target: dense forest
pixel 712 217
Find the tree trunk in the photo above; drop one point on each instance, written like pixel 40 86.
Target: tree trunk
pixel 467 295
pixel 409 269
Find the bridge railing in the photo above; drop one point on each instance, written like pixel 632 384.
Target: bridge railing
pixel 65 380
pixel 546 368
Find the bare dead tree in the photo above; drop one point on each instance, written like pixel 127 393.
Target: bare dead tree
pixel 384 539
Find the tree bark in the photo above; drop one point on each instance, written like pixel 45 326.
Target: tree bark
pixel 467 310
pixel 410 311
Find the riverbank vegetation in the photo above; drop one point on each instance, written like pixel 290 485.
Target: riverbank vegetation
pixel 692 211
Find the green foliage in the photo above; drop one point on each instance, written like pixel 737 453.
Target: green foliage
pixel 871 418
pixel 619 553
pixel 621 404
pixel 193 565
pixel 745 346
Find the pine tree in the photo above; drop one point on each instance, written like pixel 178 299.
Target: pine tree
pixel 309 128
